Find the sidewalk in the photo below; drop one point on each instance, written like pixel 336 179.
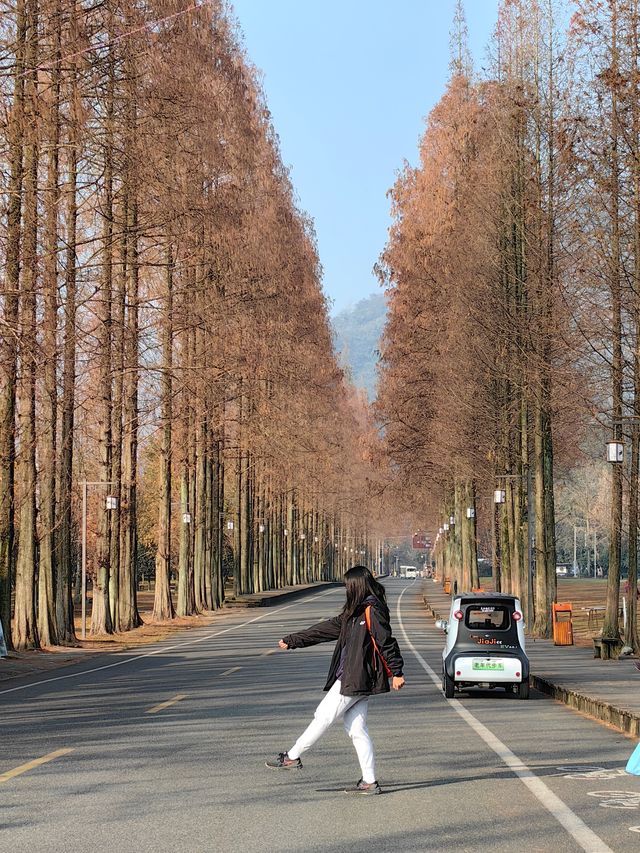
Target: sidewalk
pixel 606 690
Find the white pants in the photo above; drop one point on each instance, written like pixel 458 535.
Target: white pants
pixel 354 710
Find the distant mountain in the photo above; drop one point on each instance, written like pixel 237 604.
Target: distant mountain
pixel 357 336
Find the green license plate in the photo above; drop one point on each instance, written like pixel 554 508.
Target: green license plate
pixel 488 666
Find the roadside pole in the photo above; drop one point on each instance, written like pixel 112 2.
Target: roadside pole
pixel 530 536
pixel 84 560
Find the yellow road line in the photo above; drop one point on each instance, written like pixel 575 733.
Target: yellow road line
pixel 166 704
pixel 229 671
pixel 31 765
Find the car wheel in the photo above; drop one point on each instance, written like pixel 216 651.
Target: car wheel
pixel 448 685
pixel 523 689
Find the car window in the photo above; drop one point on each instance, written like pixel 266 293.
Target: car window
pixel 489 617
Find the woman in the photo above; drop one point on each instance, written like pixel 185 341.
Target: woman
pixel 365 655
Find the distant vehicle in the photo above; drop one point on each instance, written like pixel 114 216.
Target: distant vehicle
pixel 485 644
pixel 411 574
pixel 405 569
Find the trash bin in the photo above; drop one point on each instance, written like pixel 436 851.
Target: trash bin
pixel 447 586
pixel 561 615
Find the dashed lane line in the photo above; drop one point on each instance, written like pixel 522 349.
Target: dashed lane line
pixel 229 671
pixel 164 649
pixel 160 707
pixel 31 765
pixel 585 837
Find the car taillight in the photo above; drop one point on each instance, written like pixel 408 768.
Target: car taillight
pixel 458 615
pixel 517 616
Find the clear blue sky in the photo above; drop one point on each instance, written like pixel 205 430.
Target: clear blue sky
pixel 349 83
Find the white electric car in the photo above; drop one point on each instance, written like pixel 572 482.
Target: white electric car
pixel 485 644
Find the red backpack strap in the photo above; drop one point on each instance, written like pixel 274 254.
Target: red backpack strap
pixel 376 650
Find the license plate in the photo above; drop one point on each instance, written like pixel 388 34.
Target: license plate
pixel 487 666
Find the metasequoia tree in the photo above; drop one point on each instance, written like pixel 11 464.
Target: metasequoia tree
pixel 25 634
pixel 165 337
pixel 48 431
pixel 512 272
pixel 606 250
pixel 471 348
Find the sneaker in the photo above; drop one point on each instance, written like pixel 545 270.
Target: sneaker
pixel 364 788
pixel 283 761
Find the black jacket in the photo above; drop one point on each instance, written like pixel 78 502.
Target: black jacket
pixel 364 673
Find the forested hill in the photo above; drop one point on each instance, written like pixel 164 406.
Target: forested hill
pixel 357 333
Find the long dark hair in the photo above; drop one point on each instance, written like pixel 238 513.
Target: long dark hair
pixel 360 584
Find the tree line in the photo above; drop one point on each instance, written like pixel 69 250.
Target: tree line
pixel 513 273
pixel 165 338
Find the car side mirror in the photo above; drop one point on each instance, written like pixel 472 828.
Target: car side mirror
pixel 442 624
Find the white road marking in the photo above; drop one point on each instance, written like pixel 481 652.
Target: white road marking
pixel 585 837
pixel 229 671
pixel 165 648
pixel 617 799
pixel 578 768
pixel 634 829
pixel 590 773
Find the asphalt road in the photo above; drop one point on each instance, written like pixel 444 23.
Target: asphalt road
pixel 167 749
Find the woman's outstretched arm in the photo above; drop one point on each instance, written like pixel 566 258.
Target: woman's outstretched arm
pixel 322 632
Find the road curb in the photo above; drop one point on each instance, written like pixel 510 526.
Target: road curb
pixel 627 722
pixel 433 612
pixel 268 598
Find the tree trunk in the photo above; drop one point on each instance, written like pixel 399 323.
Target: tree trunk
pixel 631 628
pixel 245 524
pixel 66 554
pixel 105 609
pixel 47 627
pixel 542 623
pixel 610 627
pixel 128 616
pixel 200 516
pixel 25 633
pixel 220 519
pixel 631 637
pixel 118 363
pixel 162 602
pixel 9 288
pixel 469 543
pixel 187 521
